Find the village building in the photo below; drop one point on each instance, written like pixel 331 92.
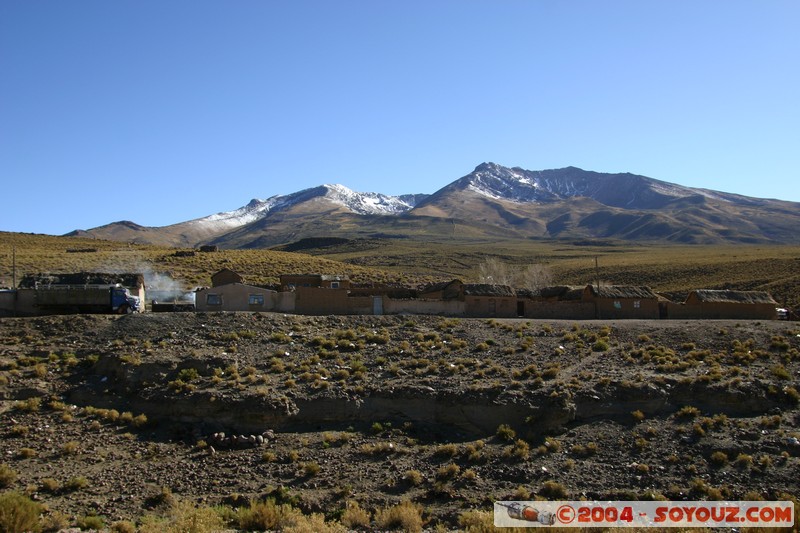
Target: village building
pixel 446 290
pixel 618 301
pixel 290 282
pixel 557 302
pixel 226 276
pixel 728 304
pixel 481 299
pixel 238 297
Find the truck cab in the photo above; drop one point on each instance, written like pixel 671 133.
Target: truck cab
pixel 122 301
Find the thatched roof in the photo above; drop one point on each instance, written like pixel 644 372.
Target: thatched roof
pixel 562 292
pixel 622 291
pixel 727 296
pixel 484 289
pixel 127 279
pixel 440 286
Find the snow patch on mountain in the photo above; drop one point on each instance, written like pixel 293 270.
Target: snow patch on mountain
pixel 360 203
pixel 367 203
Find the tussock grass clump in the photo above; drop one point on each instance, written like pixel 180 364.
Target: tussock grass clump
pixel 553 490
pixel 355 517
pixel 413 477
pixel 18 513
pixel 506 433
pixel 405 515
pixel 7 476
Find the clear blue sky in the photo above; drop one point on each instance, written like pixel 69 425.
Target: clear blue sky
pixel 164 111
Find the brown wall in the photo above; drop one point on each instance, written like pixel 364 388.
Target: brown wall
pixel 719 310
pixel 559 310
pixel 423 307
pixel 319 301
pixel 490 306
pixel 235 297
pixel 605 308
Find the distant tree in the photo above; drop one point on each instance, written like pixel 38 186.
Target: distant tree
pixel 532 277
pixel 494 272
pixel 535 277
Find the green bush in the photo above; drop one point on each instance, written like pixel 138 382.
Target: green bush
pixel 18 513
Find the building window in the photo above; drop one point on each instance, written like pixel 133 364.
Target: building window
pixel 617 305
pixel 334 284
pixel 256 299
pixel 214 299
pixel 637 304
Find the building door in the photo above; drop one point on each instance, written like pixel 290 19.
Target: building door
pixel 377 305
pixel 520 308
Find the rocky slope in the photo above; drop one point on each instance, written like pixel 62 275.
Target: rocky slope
pixel 448 413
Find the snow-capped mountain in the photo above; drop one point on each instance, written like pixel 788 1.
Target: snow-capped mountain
pixel 368 203
pixel 492 201
pixel 546 186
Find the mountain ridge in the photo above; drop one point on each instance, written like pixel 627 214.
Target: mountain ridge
pixel 491 200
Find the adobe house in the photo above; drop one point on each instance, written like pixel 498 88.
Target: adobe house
pixel 226 276
pixel 557 302
pixel 731 304
pixel 447 290
pixel 484 300
pixel 236 297
pixel 290 282
pixel 618 301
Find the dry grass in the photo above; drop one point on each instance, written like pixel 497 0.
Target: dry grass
pixel 661 266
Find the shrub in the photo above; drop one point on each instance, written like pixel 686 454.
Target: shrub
pixel 521 450
pixel 311 468
pixel 26 453
pixel 7 476
pixel 413 477
pixel 637 415
pixel 504 432
pixel 719 458
pixel 688 412
pixel 405 515
pixel 477 521
pixel 30 405
pixel 448 472
pixel 50 485
pixel 600 346
pixel 584 451
pixel 76 483
pixel 91 522
pixel 743 460
pixel 354 516
pixel 18 513
pixel 553 490
pixel 123 526
pixel 447 450
pixel 780 372
pixel 70 448
pixel 261 516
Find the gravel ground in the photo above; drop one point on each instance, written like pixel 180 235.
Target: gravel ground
pixel 113 416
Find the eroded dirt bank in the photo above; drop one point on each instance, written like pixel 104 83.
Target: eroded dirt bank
pixel 380 409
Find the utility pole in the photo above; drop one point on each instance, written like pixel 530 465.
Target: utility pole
pixel 597 273
pixel 14 267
